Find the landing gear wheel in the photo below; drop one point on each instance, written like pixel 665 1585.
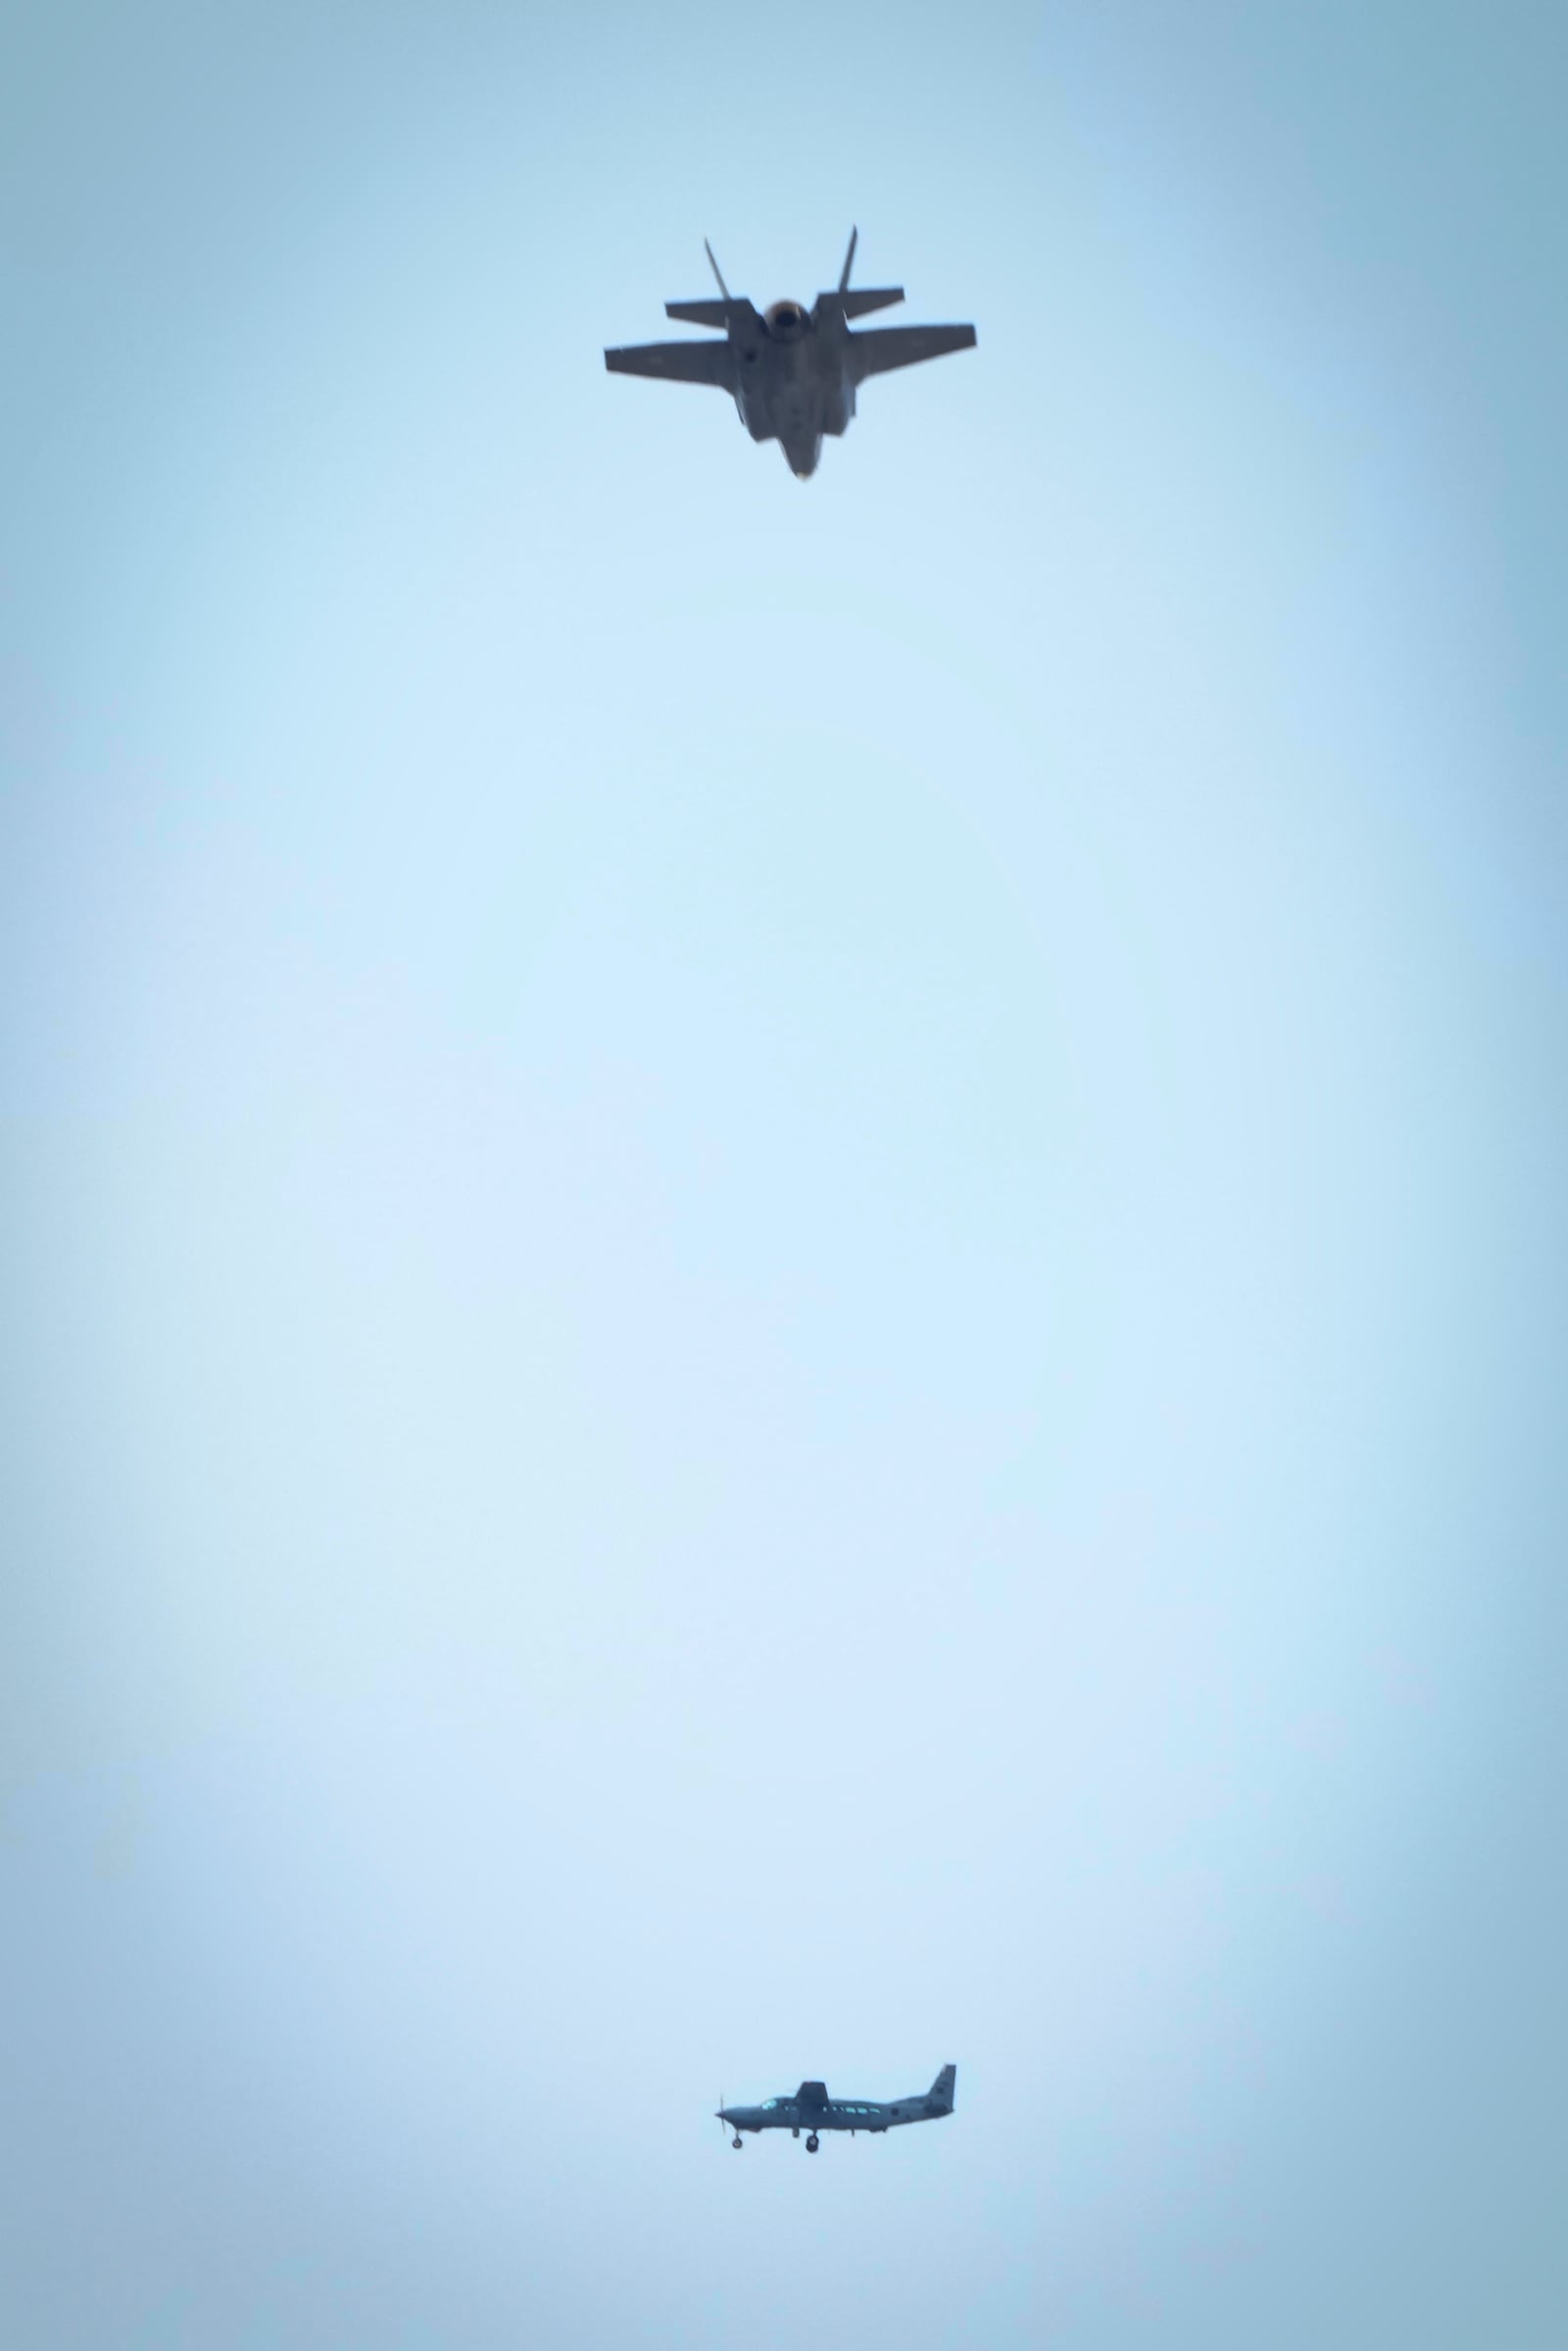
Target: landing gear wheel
pixel 812 2144
pixel 735 2142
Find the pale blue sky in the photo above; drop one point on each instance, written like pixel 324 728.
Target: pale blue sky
pixel 786 1260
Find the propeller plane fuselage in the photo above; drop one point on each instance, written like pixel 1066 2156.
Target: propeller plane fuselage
pixel 792 372
pixel 812 2110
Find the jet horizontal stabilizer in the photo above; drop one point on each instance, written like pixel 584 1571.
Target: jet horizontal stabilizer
pixel 703 313
pixel 860 299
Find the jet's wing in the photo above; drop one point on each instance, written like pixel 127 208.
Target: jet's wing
pixel 878 347
pixel 677 363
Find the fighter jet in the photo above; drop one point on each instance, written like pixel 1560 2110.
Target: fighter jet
pixel 812 2110
pixel 792 372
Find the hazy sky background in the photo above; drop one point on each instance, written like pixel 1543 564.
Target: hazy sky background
pixel 786 1260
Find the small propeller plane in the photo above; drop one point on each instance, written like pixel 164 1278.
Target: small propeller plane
pixel 812 2110
pixel 792 372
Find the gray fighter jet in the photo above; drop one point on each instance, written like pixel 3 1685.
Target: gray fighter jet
pixel 812 2110
pixel 792 372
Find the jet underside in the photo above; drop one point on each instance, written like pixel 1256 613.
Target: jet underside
pixel 795 392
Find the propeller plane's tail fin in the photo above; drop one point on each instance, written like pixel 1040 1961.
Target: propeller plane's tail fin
pixel 939 2095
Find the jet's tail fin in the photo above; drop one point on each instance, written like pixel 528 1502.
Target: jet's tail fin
pixel 727 315
pixel 939 2097
pixel 868 298
pixel 849 261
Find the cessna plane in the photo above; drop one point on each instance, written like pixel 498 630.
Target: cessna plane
pixel 812 2110
pixel 791 371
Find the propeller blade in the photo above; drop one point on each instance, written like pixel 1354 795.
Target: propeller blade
pixel 849 259
pixel 718 272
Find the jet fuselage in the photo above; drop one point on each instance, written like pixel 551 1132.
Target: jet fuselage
pixel 793 383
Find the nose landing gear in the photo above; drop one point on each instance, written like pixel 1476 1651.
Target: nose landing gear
pixel 735 2142
pixel 812 2144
